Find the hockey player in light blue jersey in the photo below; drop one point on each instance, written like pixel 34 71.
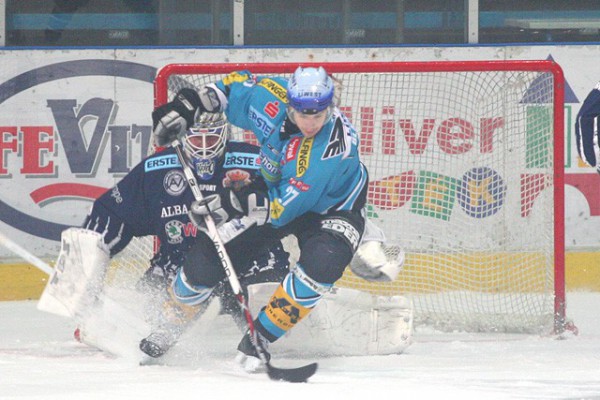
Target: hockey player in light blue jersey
pixel 309 149
pixel 310 171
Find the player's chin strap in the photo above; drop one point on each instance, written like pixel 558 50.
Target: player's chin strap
pixel 300 374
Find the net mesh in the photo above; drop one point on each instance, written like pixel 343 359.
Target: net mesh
pixel 461 177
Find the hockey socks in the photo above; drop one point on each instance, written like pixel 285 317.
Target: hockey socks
pixel 187 293
pixel 293 299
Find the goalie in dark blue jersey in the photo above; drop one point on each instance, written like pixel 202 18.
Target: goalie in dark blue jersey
pixel 154 199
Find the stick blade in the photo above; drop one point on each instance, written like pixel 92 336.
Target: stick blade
pixel 295 375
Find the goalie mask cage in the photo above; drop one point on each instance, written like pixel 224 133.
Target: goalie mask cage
pixel 466 175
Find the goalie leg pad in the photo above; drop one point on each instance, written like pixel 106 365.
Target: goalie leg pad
pixel 293 299
pixel 347 322
pixel 78 274
pixel 361 323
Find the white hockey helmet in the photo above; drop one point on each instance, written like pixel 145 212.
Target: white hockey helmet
pixel 204 143
pixel 310 91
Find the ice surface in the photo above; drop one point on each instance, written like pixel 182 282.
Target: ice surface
pixel 40 360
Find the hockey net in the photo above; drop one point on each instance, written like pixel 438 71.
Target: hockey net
pixel 465 165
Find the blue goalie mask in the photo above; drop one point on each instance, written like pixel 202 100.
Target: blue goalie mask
pixel 204 143
pixel 310 91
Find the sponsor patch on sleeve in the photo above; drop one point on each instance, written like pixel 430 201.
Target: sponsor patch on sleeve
pixel 275 88
pixel 161 162
pixel 261 122
pixel 241 160
pixel 303 160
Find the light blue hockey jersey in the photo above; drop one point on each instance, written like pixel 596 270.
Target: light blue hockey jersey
pixel 316 174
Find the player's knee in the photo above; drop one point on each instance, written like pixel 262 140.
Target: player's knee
pixel 325 257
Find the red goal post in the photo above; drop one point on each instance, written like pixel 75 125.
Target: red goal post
pixel 466 174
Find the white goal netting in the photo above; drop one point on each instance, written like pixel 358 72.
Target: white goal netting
pixel 465 174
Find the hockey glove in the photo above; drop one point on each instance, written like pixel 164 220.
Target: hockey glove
pixel 587 126
pixel 376 262
pixel 253 201
pixel 210 205
pixel 171 119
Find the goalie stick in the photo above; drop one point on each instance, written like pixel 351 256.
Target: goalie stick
pixel 299 374
pixel 24 254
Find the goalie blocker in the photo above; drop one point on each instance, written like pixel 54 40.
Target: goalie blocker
pixel 78 275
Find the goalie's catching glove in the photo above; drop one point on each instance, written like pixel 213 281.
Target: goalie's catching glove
pixel 173 118
pixel 376 262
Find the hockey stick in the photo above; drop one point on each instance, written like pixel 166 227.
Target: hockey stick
pixel 24 254
pixel 300 374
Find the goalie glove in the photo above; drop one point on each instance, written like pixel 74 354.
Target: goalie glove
pixel 373 261
pixel 173 118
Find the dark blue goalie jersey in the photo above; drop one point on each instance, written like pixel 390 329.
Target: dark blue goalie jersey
pixel 154 199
